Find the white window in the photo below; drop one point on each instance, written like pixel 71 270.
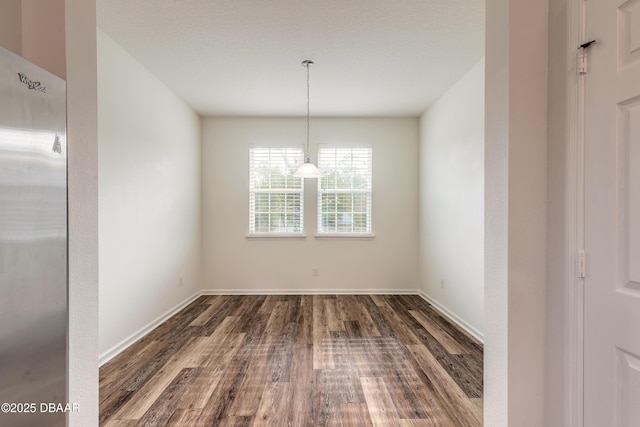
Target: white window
pixel 344 191
pixel 275 195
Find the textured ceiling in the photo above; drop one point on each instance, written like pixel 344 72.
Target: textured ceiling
pixel 243 57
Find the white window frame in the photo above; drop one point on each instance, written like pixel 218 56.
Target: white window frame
pixel 322 231
pixel 298 152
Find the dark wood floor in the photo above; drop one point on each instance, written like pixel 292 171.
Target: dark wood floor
pixel 347 360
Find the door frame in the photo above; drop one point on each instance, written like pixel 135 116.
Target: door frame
pixel 574 217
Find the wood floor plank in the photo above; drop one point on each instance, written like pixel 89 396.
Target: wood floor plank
pixel 214 304
pixel 379 403
pixel 428 404
pixel 304 321
pixel 269 302
pixel 322 358
pixel 479 402
pixel 196 396
pixel 438 333
pixel 326 399
pixel 334 323
pixel 163 408
pixel 236 422
pixel 395 369
pixel 403 332
pixel 117 375
pixel 121 423
pixel 206 350
pixel 274 406
pixel 465 411
pixel 226 310
pixel 172 350
pixel 293 308
pixel 282 355
pixel 183 417
pixel 252 386
pixel 465 377
pixel 247 312
pixel 396 373
pixel 428 422
pixel 209 299
pixel 298 360
pixel 356 415
pixel 276 322
pixel 302 384
pixel 146 396
pixel 361 315
pixel 474 367
pixel 469 343
pixel 376 315
pixel 378 300
pixel 344 308
pixel 364 358
pixel 225 392
pixel 111 403
pixel 133 372
pixel 142 400
pixel 119 369
pixel 172 329
pixel 224 355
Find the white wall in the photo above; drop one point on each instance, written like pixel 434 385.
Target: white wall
pixel 452 200
pixel 515 212
pixel 35 30
pixel 44 19
pixel 11 25
pixel 149 196
pixel 234 262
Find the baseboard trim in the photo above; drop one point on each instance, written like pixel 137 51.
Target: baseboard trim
pixel 453 317
pixel 125 343
pixel 309 292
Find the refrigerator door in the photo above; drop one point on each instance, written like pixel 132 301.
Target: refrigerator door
pixel 33 244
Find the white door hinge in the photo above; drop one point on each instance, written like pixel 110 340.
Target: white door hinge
pixel 581 265
pixel 583 65
pixel 582 62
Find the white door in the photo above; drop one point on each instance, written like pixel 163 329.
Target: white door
pixel 612 216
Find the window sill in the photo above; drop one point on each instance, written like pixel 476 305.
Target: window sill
pixel 363 236
pixel 276 236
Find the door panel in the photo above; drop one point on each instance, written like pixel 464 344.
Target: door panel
pixel 612 215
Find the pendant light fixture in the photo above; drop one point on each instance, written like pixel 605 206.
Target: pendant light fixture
pixel 307 169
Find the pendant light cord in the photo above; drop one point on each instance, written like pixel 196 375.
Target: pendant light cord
pixel 308 103
pixel 308 169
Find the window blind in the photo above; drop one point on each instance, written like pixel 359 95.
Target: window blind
pixel 344 191
pixel 275 196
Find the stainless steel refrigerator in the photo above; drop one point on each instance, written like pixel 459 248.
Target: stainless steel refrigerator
pixel 33 244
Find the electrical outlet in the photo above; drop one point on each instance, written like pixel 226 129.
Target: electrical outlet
pixel 442 283
pixel 315 271
pixel 180 281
